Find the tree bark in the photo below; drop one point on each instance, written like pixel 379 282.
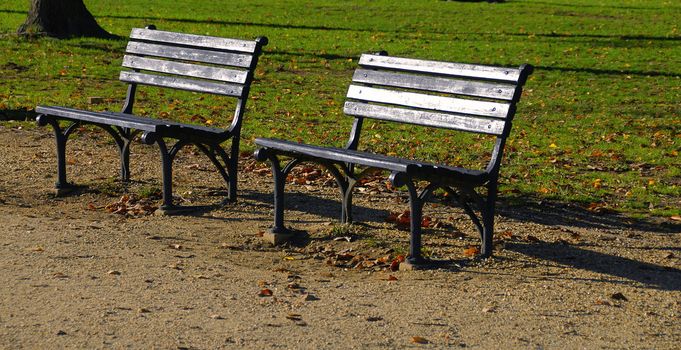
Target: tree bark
pixel 61 19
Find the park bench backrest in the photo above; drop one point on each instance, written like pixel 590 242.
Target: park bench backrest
pixel 189 62
pixel 471 98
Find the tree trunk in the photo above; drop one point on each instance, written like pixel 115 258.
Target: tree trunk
pixel 61 19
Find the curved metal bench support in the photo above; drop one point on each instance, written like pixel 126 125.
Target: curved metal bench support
pixel 121 136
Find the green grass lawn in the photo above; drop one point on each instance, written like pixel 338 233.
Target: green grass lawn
pixel 599 123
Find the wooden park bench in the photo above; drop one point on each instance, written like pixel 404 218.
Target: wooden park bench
pixel 196 63
pixel 462 97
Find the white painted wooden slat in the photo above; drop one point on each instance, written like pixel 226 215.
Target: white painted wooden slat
pixel 187 69
pixel 412 116
pixel 438 103
pixel 181 83
pixel 435 84
pixel 438 67
pixel 183 53
pixel 193 40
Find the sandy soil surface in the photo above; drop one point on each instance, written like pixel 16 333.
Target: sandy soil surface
pixel 74 274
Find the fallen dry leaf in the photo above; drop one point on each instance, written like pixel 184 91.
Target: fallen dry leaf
pixel 395 265
pixel 419 340
pixel 391 278
pixel 113 272
pixel 676 218
pixel 265 292
pixel 426 222
pixel 471 251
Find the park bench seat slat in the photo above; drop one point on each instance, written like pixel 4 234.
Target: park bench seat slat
pixel 182 84
pixel 100 117
pixel 372 160
pixel 432 102
pixel 186 69
pixel 190 54
pixel 435 84
pixel 425 118
pixel 444 68
pixel 210 42
pixel 123 120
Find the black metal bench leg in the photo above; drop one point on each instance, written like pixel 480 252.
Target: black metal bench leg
pixel 167 169
pixel 62 186
pixel 226 170
pixel 61 162
pixel 167 164
pixel 122 137
pixel 279 183
pixel 346 212
pixel 416 208
pixel 345 184
pixel 279 233
pixel 125 161
pixel 488 221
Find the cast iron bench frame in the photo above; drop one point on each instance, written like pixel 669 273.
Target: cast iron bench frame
pixel 479 99
pixel 196 63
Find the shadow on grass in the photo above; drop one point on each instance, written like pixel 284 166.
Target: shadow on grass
pixel 651 275
pixel 17 114
pixel 14 11
pixel 609 71
pixel 618 7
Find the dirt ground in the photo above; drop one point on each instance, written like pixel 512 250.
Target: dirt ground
pixel 74 274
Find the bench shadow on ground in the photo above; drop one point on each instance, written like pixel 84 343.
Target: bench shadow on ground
pixel 621 269
pixel 522 208
pixel 626 271
pixel 327 208
pixel 556 213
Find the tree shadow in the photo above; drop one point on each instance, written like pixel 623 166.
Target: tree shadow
pixel 619 7
pixel 14 11
pixel 231 23
pixel 609 71
pixel 629 271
